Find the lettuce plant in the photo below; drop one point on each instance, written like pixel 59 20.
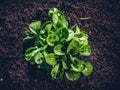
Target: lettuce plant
pixel 56 47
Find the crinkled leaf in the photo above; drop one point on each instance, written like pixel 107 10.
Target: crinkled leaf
pixel 88 69
pixel 85 50
pixel 72 75
pixel 35 27
pixel 62 33
pixel 51 59
pixel 58 50
pixel 52 39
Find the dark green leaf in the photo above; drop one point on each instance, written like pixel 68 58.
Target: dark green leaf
pixel 64 62
pixel 62 33
pixel 73 47
pixel 30 53
pixel 57 72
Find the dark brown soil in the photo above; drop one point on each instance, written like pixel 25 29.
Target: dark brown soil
pixel 104 37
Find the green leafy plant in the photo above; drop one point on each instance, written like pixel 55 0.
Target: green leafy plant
pixel 56 47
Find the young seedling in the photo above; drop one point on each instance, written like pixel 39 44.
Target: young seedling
pixel 56 47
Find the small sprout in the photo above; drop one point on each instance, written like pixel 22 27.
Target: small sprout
pixel 56 47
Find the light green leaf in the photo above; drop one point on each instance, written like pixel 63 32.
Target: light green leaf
pixel 35 27
pixel 83 42
pixel 51 59
pixel 88 69
pixel 77 66
pixel 58 50
pixel 76 29
pixel 71 35
pixel 72 75
pixel 28 37
pixel 52 39
pixel 82 35
pixel 85 50
pixel 51 12
pixel 39 58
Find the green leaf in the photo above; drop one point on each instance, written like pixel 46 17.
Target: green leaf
pixel 35 27
pixel 88 69
pixel 39 58
pixel 62 33
pixel 64 62
pixel 28 32
pixel 71 35
pixel 72 75
pixel 52 39
pixel 82 35
pixel 58 50
pixel 29 37
pixel 85 50
pixel 30 53
pixel 51 12
pixel 51 59
pixel 73 47
pixel 77 66
pixel 83 42
pixel 47 27
pixel 59 20
pixel 72 59
pixel 57 72
pixel 76 29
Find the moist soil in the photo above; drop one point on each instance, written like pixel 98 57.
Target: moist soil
pixel 103 27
